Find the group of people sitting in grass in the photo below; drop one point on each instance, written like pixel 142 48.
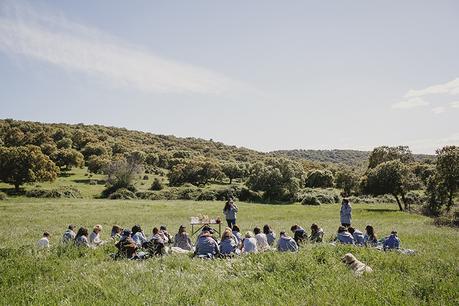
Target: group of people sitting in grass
pixel 134 244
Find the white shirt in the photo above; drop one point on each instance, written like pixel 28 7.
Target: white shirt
pixel 262 242
pixel 250 245
pixel 43 243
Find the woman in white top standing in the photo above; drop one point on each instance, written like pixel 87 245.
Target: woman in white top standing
pixel 230 211
pixel 346 213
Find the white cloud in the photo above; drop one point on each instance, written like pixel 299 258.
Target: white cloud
pixel 450 88
pixel 454 104
pixel 438 110
pixel 410 103
pixel 429 145
pixel 58 41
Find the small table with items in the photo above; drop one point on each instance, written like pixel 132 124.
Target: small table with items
pixel 200 222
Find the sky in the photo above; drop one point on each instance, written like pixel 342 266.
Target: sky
pixel 266 75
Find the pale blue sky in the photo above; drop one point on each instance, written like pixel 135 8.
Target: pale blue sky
pixel 261 74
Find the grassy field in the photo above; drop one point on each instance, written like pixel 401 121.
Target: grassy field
pixel 313 276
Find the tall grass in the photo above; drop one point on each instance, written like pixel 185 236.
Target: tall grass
pixel 314 276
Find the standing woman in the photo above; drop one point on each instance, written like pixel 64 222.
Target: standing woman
pixel 230 212
pixel 346 213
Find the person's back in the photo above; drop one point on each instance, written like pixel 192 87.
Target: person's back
pixel 286 244
pixel 183 241
pixel 238 237
pixel 391 242
pixel 271 237
pixel 82 241
pixel 345 237
pixel 299 234
pixel 317 235
pixel 43 243
pixel 69 235
pixel 249 245
pixel 126 247
pixel 139 238
pixel 359 238
pixel 262 242
pixel 227 246
pixel 206 245
pixel 94 239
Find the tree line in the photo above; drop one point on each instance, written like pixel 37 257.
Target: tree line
pixel 31 152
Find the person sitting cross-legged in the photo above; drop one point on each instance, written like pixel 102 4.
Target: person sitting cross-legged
pixel 249 244
pixel 299 234
pixel 182 239
pixel 359 238
pixel 286 243
pixel 43 243
pixel 127 248
pixel 370 237
pixel 228 245
pixel 81 238
pixel 155 246
pixel 94 238
pixel 262 240
pixel 317 233
pixel 392 242
pixel 270 235
pixel 344 236
pixel 69 234
pixel 206 246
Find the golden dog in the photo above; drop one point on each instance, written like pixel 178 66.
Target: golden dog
pixel 357 267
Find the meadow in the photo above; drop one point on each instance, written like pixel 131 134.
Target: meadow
pixel 314 276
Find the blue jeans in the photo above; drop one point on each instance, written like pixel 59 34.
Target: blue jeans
pixel 231 222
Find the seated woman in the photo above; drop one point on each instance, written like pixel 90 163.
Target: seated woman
pixel 270 235
pixel 69 234
pixel 359 239
pixel 317 233
pixel 344 236
pixel 81 238
pixel 206 246
pixel 182 239
pixel 127 248
pixel 262 240
pixel 165 234
pixel 94 238
pixel 299 234
pixel 155 246
pixel 43 243
pixel 370 238
pixel 228 245
pixel 138 236
pixel 392 242
pixel 237 234
pixel 286 243
pixel 249 244
pixel 116 232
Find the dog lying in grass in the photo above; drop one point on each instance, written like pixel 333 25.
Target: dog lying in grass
pixel 357 267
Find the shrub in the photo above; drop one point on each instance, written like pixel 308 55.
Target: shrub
pixel 145 177
pixel 310 200
pixel 122 194
pixel 248 195
pixel 319 178
pixel 207 195
pixel 3 196
pixel 157 184
pixel 62 192
pixel 112 189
